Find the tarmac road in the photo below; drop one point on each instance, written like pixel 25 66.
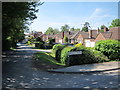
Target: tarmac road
pixel 18 71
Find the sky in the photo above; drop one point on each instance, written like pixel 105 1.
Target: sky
pixel 75 14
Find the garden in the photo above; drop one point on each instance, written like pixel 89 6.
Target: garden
pixel 104 51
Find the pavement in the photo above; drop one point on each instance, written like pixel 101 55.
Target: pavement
pixel 89 68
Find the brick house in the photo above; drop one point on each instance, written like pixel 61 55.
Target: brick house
pixel 86 38
pixel 59 38
pixel 46 37
pixel 113 33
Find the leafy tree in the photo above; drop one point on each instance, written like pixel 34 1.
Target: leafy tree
pixel 102 27
pixel 115 23
pixel 50 30
pixel 74 29
pixel 85 29
pixel 16 17
pixel 65 28
pixel 86 26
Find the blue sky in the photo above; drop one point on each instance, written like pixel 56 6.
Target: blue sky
pixel 57 14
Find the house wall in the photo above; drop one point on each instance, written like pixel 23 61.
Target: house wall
pixel 80 39
pixel 89 43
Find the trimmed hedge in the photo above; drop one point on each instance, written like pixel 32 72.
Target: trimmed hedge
pixel 88 56
pixel 110 48
pixel 57 48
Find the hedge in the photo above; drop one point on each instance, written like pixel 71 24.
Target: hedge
pixel 57 48
pixel 88 56
pixel 110 48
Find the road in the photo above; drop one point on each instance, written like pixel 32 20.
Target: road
pixel 18 71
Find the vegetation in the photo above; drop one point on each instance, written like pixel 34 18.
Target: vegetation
pixel 50 30
pixel 109 48
pixel 16 17
pixel 115 23
pixel 47 57
pixel 78 45
pixel 74 29
pixel 85 27
pixel 65 28
pixel 88 56
pixel 57 50
pixel 65 39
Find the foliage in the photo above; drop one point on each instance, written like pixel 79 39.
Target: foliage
pixel 115 23
pixel 65 39
pixel 74 29
pixel 65 28
pixel 85 27
pixel 88 56
pixel 16 17
pixel 47 58
pixel 50 30
pixel 78 45
pixel 57 50
pixel 102 27
pixel 40 45
pixel 110 48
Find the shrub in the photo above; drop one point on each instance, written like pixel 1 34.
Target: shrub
pixel 78 45
pixel 57 50
pixel 39 45
pixel 88 56
pixel 109 48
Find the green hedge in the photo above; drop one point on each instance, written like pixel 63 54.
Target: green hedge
pixel 88 56
pixel 110 48
pixel 57 48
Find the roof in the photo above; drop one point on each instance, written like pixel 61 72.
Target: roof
pixel 113 33
pixel 69 34
pixel 84 35
pixel 106 35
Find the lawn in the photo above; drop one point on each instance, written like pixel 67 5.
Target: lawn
pixel 47 58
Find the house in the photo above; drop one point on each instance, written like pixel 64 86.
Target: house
pixel 86 38
pixel 59 38
pixel 113 33
pixel 37 34
pixel 46 37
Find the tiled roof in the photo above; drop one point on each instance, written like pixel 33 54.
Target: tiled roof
pixel 114 33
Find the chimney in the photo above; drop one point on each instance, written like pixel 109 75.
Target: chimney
pixel 63 34
pixel 98 30
pixel 90 33
pixel 105 29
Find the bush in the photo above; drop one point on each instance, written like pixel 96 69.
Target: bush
pixel 78 45
pixel 88 56
pixel 109 48
pixel 57 50
pixel 39 45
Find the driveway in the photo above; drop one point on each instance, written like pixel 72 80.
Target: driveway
pixel 18 71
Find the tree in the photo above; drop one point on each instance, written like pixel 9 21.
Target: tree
pixel 115 23
pixel 102 27
pixel 74 29
pixel 16 17
pixel 66 39
pixel 50 30
pixel 86 27
pixel 65 28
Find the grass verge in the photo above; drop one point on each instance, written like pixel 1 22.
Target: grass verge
pixel 47 58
